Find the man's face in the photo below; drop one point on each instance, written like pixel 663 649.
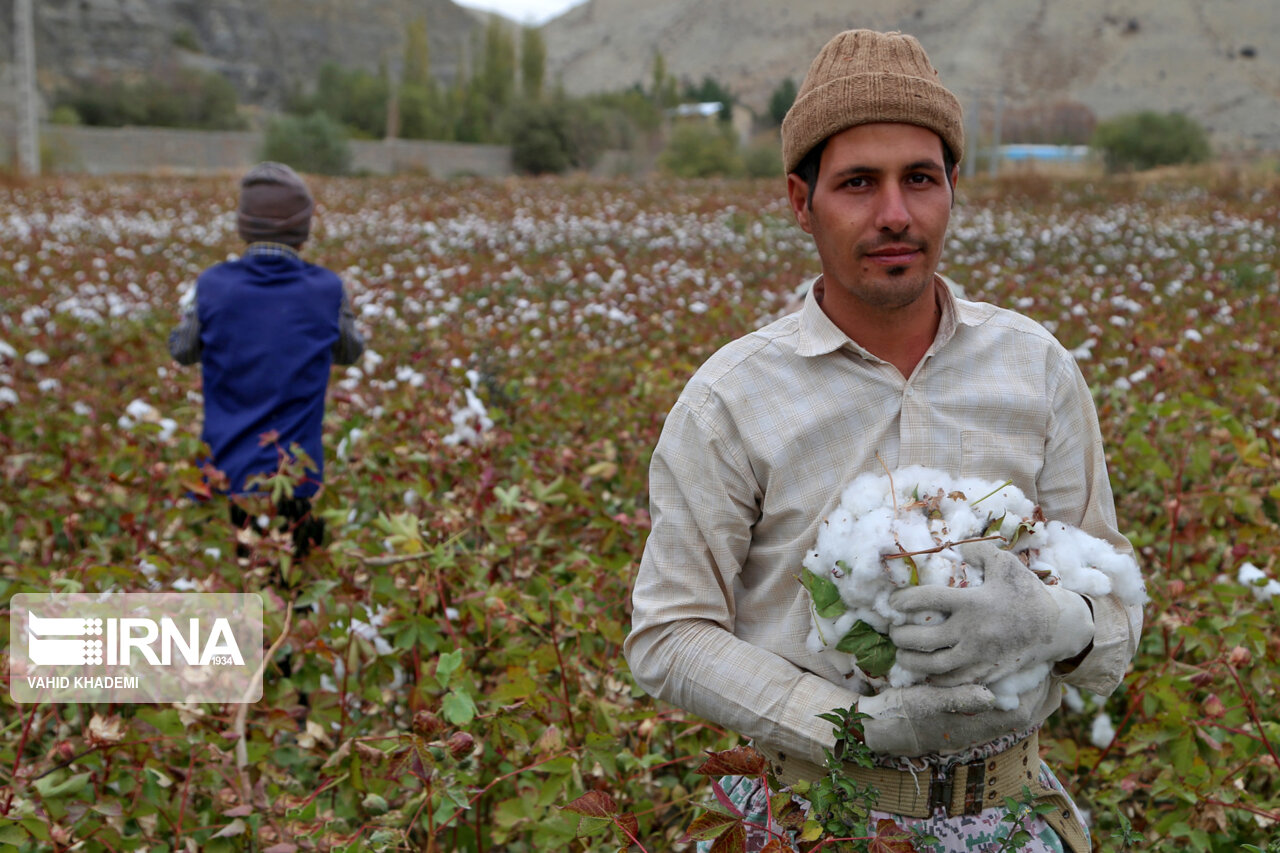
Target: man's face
pixel 878 216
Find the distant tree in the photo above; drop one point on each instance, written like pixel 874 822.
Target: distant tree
pixel 781 100
pixel 417 56
pixel 355 97
pixel 1148 139
pixel 698 149
pixel 496 76
pixel 314 143
pixel 424 113
pixel 663 89
pixel 558 135
pixel 708 91
pixel 170 97
pixel 533 62
pixel 762 160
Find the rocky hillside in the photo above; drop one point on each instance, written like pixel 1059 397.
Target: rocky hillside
pixel 1216 60
pixel 264 46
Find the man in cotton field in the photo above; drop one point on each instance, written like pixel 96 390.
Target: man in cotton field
pixel 882 368
pixel 266 329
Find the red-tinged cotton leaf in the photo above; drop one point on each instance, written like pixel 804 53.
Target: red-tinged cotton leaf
pixel 775 845
pixel 890 838
pixel 739 761
pixel 709 825
pixel 282 847
pixel 268 437
pixel 628 824
pixel 593 804
pixel 732 841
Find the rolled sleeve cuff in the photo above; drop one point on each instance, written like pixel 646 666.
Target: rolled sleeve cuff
pixel 1115 639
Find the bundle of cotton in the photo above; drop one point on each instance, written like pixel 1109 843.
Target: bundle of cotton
pixel 903 529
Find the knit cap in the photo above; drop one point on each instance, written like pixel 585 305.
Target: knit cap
pixel 275 206
pixel 862 77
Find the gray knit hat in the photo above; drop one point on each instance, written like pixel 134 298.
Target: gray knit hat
pixel 861 77
pixel 275 205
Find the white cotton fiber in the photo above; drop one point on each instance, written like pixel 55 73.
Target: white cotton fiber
pixel 930 511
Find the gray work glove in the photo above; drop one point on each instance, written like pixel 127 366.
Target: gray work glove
pixel 924 719
pixel 1013 620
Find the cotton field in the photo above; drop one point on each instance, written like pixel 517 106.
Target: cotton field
pixel 448 669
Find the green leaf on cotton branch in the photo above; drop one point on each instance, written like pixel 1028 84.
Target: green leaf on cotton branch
pixel 875 651
pixel 826 598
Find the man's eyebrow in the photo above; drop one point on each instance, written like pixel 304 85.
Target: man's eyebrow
pixel 928 164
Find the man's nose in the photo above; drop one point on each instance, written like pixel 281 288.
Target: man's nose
pixel 892 214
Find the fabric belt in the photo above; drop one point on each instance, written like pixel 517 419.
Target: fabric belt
pixel 967 789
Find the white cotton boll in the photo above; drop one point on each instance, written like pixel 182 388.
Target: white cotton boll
pixel 914 534
pixel 370 633
pixel 863 495
pixel 141 410
pixel 48 385
pixel 1072 699
pixel 214 553
pixel 944 568
pixel 878 517
pixel 899 676
pixel 8 397
pixel 1007 689
pixel 1253 577
pixel 841 625
pixel 36 358
pixel 7 351
pixel 1193 335
pixel 1102 732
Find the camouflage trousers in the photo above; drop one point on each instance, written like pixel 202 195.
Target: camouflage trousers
pixel 978 833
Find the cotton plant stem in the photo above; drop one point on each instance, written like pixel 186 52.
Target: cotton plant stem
pixel 990 493
pixel 387 561
pixel 242 713
pixel 944 546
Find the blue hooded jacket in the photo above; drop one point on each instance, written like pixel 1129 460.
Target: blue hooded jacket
pixel 268 326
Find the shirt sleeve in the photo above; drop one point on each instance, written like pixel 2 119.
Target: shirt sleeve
pixel 682 647
pixel 1074 484
pixel 184 341
pixel 350 342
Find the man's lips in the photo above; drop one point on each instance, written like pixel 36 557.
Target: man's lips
pixel 893 255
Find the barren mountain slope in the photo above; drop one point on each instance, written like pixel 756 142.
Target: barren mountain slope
pixel 1217 60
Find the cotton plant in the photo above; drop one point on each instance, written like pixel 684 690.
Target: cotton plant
pixel 906 528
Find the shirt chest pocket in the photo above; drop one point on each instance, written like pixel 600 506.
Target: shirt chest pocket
pixel 1002 456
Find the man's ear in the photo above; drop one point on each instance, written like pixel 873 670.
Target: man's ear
pixel 798 194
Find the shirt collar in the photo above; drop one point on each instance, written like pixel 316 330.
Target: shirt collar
pixel 819 336
pixel 268 249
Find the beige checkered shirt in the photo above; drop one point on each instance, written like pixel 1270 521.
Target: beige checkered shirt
pixel 757 450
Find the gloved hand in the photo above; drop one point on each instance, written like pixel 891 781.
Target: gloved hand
pixel 923 719
pixel 1012 620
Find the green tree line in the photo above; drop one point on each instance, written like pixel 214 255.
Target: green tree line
pixel 502 96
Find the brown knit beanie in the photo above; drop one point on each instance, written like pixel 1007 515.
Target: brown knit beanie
pixel 275 206
pixel 861 77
